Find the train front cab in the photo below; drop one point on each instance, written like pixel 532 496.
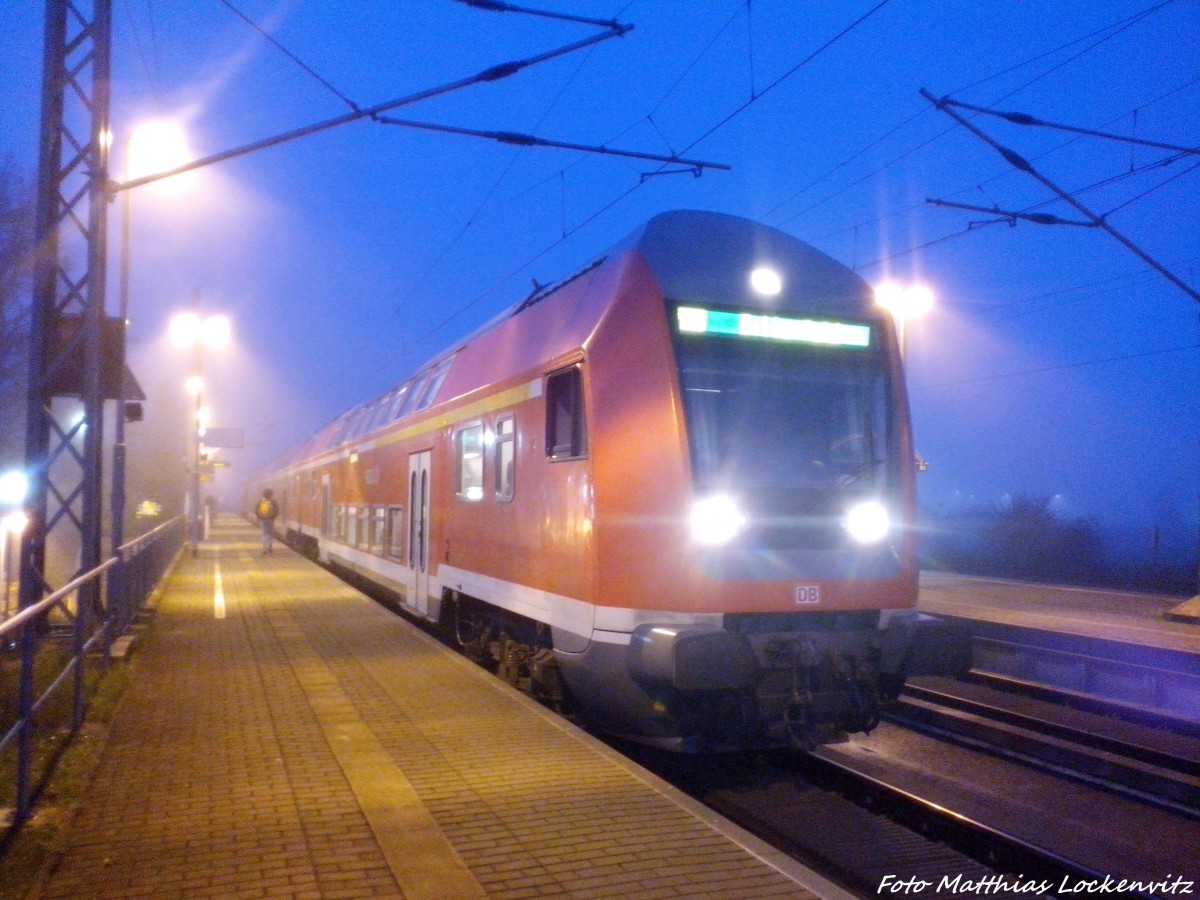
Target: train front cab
pixel 757 532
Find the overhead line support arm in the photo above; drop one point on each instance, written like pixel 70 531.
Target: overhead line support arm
pixel 497 6
pixel 1036 218
pixel 370 112
pixel 1015 159
pixel 1018 118
pixel 529 140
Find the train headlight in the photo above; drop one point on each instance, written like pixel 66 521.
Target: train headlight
pixel 716 520
pixel 867 522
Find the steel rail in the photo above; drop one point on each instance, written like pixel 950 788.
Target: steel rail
pixel 1124 746
pixel 1033 860
pixel 997 732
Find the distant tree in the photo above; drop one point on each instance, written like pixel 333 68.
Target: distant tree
pixel 1025 538
pixel 16 255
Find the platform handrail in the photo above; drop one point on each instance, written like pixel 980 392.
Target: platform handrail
pixel 132 573
pixel 43 606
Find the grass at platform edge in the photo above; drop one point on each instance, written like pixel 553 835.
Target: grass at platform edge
pixel 26 856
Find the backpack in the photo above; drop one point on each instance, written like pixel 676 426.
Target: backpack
pixel 265 509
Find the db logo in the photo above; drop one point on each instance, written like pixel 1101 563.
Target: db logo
pixel 808 593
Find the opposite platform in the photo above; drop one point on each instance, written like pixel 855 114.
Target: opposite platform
pixel 284 736
pixel 1089 612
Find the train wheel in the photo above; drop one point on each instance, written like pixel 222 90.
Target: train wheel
pixel 471 630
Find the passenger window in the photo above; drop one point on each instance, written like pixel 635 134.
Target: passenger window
pixel 469 449
pixel 398 403
pixel 379 531
pixel 566 433
pixel 417 386
pixel 395 526
pixel 435 384
pixel 505 458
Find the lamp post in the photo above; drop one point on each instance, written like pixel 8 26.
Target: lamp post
pixel 156 146
pixel 190 331
pixel 905 302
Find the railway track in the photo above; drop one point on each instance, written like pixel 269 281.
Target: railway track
pixel 936 807
pixel 874 837
pixel 1152 764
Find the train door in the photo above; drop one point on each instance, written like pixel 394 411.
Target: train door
pixel 326 520
pixel 418 531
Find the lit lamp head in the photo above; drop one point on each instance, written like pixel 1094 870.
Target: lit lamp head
pixel 156 146
pixel 190 330
pixel 15 522
pixel 904 302
pixel 14 488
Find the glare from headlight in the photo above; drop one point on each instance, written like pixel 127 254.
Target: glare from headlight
pixel 868 522
pixel 716 520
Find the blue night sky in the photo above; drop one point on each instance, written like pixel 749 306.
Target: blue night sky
pixel 1055 363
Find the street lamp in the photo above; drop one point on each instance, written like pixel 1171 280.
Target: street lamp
pixel 195 332
pixel 156 146
pixel 14 487
pixel 904 302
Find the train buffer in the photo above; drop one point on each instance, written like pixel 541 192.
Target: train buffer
pixel 283 736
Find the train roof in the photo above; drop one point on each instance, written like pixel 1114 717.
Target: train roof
pixel 703 257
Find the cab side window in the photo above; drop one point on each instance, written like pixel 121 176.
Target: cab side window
pixel 505 459
pixel 566 431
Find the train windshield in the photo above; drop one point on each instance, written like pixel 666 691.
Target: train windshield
pixel 792 414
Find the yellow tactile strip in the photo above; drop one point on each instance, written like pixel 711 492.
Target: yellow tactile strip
pixel 423 861
pixel 311 744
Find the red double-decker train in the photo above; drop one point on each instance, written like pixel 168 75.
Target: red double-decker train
pixel 674 491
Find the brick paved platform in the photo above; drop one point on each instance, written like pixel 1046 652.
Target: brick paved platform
pixel 283 736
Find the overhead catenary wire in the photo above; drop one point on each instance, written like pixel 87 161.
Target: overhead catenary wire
pixel 975 226
pixel 474 216
pixel 626 193
pixel 289 54
pixel 1150 190
pixel 1041 370
pixel 788 74
pixel 1133 170
pixel 493 73
pixel 1017 161
pixel 1003 312
pixel 488 194
pixel 1107 33
pixel 150 70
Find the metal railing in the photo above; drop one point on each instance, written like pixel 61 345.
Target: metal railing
pixel 49 650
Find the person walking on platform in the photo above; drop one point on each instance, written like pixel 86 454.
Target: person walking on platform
pixel 266 511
